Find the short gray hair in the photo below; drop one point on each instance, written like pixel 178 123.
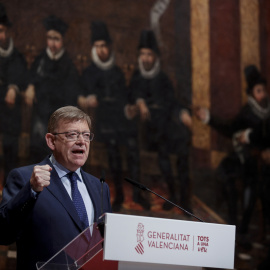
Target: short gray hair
pixel 69 114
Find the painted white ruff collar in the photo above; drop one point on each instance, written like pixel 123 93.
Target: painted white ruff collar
pixel 149 74
pixel 56 56
pixel 257 109
pixel 8 51
pixel 102 65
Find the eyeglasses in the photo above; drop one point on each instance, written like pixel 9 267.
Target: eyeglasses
pixel 74 135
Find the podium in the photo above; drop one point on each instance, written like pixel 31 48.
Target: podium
pixel 137 242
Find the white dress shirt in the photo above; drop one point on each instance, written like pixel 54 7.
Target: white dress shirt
pixel 62 173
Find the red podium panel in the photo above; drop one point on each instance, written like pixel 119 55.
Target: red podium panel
pixel 97 262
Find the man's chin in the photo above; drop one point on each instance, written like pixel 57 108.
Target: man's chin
pixel 147 67
pixel 4 45
pixel 79 161
pixel 54 52
pixel 75 165
pixel 103 59
pixel 264 103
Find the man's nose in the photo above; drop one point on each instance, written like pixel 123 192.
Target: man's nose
pixel 80 139
pixel 3 36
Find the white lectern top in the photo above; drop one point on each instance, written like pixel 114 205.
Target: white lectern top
pixel 166 241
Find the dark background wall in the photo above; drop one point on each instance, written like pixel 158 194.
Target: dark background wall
pixel 205 46
pixel 125 20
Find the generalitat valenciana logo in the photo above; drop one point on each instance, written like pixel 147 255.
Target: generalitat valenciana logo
pixel 139 247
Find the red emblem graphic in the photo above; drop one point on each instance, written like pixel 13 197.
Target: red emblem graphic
pixel 140 230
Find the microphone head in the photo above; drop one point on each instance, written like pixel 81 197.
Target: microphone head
pixel 102 178
pixel 137 184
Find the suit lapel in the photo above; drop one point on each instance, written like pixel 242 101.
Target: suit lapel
pixel 93 192
pixel 57 189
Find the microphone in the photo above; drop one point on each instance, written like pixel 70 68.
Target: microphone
pixel 136 184
pixel 143 187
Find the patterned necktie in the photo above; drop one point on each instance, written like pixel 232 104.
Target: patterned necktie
pixel 77 199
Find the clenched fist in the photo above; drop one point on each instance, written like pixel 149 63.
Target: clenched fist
pixel 40 178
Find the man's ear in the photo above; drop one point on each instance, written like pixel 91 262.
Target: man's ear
pixel 50 141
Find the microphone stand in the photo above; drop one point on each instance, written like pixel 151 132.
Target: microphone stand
pixel 143 187
pixel 101 218
pixel 102 180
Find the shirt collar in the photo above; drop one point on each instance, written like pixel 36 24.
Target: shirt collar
pixel 7 52
pixel 102 65
pixel 152 73
pixel 61 170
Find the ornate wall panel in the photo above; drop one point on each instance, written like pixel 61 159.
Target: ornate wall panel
pixel 250 42
pixel 200 68
pixel 225 64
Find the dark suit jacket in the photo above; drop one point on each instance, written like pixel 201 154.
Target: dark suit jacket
pixel 43 226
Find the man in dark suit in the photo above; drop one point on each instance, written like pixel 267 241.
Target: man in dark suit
pixel 104 88
pixel 164 120
pixel 12 82
pixel 39 207
pixel 243 163
pixel 53 83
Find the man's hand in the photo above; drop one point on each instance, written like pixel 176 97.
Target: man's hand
pixel 186 119
pixel 131 111
pixel 40 178
pixel 87 102
pixel 144 111
pixel 265 155
pixel 243 136
pixel 10 97
pixel 92 101
pixel 82 102
pixel 29 95
pixel 200 113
